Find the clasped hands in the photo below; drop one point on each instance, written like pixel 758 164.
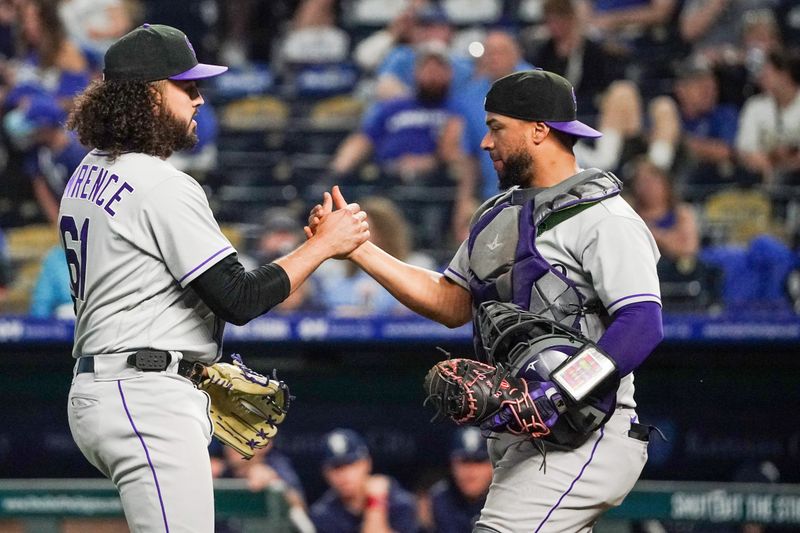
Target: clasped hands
pixel 343 225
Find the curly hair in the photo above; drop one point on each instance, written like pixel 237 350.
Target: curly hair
pixel 127 116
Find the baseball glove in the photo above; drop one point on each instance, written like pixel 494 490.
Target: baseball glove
pixel 246 407
pixel 474 393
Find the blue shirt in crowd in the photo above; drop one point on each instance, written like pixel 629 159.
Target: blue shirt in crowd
pixel 452 513
pixel 51 290
pixel 55 167
pixel 330 515
pixel 404 126
pixel 720 123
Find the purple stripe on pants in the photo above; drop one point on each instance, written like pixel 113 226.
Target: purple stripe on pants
pixel 583 469
pixel 147 454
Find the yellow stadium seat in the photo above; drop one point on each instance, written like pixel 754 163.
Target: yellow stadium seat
pixel 738 215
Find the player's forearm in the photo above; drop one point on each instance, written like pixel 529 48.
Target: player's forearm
pixel 424 291
pixel 304 260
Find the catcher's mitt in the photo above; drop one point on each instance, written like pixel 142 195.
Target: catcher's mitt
pixel 474 393
pixel 246 407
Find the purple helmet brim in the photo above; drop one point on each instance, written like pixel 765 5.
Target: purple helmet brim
pixel 200 71
pixel 576 128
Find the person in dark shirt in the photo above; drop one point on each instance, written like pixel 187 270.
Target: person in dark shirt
pixel 456 501
pixel 359 501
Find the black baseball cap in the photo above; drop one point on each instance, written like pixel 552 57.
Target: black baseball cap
pixel 154 52
pixel 538 96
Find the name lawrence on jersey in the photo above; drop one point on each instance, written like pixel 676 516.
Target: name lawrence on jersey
pixel 90 183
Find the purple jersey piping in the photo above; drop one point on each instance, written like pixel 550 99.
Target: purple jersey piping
pixel 456 274
pixel 583 469
pixel 147 454
pixel 192 271
pixel 615 302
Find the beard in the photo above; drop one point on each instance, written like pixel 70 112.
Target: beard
pixel 175 134
pixel 517 170
pixel 432 94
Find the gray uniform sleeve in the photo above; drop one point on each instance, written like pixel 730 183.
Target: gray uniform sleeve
pixel 457 270
pixel 183 226
pixel 620 255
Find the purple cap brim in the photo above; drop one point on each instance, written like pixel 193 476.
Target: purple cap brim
pixel 200 71
pixel 576 128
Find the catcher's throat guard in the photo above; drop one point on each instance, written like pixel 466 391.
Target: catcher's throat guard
pixel 537 348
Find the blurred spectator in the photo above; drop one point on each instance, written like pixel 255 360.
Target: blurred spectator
pixel 715 28
pixel 703 149
pixel 768 140
pixel 457 501
pixel 8 23
pixel 359 501
pixel 566 49
pixel 410 137
pixel 501 56
pixel 631 18
pixel 250 28
pixel 313 36
pixel 278 234
pixel 788 14
pixel 52 153
pixel 51 294
pixel 49 57
pixel 396 76
pixel 371 51
pixel 737 68
pixel 268 469
pixel 95 24
pixel 348 290
pixel 672 223
pixel 620 122
pixel 685 280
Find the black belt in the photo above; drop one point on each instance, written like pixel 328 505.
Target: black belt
pixel 151 361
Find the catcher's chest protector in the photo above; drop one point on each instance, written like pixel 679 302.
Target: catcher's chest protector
pixel 506 266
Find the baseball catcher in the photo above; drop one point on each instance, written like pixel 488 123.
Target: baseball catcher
pixel 246 407
pixel 543 379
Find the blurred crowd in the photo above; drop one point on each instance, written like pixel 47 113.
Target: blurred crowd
pixel 698 101
pixel 360 499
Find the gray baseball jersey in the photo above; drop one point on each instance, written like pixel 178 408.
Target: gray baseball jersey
pixel 136 232
pixel 608 252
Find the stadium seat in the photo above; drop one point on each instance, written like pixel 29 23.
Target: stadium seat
pixel 735 216
pixel 255 113
pixel 466 12
pixel 376 13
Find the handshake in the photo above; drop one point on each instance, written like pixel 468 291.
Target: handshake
pixel 337 226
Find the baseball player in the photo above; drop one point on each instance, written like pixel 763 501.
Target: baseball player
pixel 559 241
pixel 154 280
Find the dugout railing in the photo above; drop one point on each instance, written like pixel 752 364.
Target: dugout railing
pixel 56 505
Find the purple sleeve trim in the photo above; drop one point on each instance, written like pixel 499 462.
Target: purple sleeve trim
pixel 615 302
pixel 195 269
pixel 456 274
pixel 635 331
